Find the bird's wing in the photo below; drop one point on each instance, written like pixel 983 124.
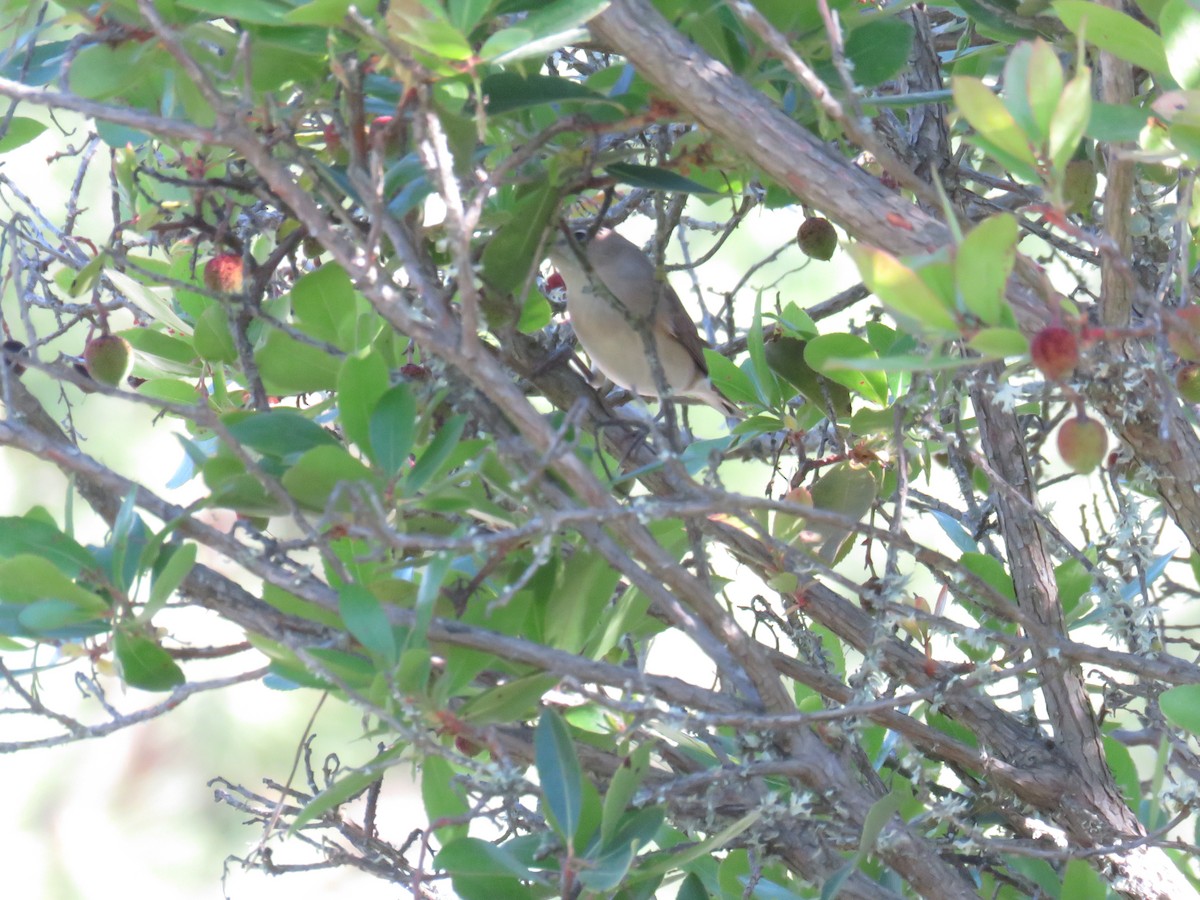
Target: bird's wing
pixel 679 324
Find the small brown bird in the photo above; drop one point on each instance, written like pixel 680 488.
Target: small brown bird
pixel 609 323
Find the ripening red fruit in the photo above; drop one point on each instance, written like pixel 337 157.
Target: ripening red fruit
pixel 817 238
pixel 412 370
pixel 382 133
pixel 109 359
pixel 1055 351
pixel 801 495
pixel 467 747
pixel 333 140
pixel 1184 338
pixel 1187 380
pixel 1082 443
pixel 223 273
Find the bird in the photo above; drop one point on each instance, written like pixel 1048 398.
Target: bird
pixel 610 319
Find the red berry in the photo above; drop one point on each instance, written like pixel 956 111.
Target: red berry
pixel 383 134
pixel 223 273
pixel 333 140
pixel 1055 351
pixel 412 370
pixel 1082 443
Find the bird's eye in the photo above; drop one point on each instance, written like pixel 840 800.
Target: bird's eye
pixel 580 234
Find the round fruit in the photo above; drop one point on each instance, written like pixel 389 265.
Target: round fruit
pixel 1082 443
pixel 223 273
pixel 817 238
pixel 1184 337
pixel 1079 186
pixel 1055 351
pixel 333 140
pixel 109 359
pixel 1187 380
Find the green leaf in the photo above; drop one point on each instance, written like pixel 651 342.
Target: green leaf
pixel 542 31
pixel 1072 581
pixel 26 578
pixel 281 433
pixel 508 256
pixel 847 349
pixel 692 888
pixel 315 476
pixel 325 307
pixel 1180 27
pixel 144 664
pixel 847 489
pixel 1181 706
pixel 154 302
pixel 592 581
pixel 880 814
pixel 1109 29
pixel 785 356
pixel 167 581
pixel 289 366
pixel 510 702
pixel 997 19
pixel 508 91
pixel 879 49
pixel 350 785
pixel 1080 882
pixel 1033 80
pixel 608 865
pixel 993 121
pixel 990 570
pixel 1071 118
pixel 1124 770
pixel 559 773
pixel 362 381
pixel 443 799
pixel 426 27
pixel 624 784
pixel 162 352
pixel 681 857
pixel 466 14
pixel 258 12
pixel 833 884
pixel 429 463
pixel 1112 123
pixel 328 12
pixel 655 178
pixel 212 339
pixel 391 429
pixel 982 265
pixel 730 380
pixel 21 131
pixel 127 530
pixel 25 535
pixel 483 871
pixel 902 290
pixel 53 617
pixel 367 622
pixel 297 606
pixel 999 342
